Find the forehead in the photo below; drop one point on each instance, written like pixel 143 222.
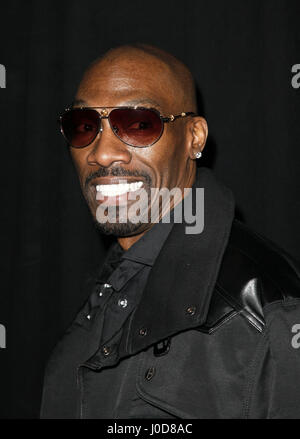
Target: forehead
pixel 113 83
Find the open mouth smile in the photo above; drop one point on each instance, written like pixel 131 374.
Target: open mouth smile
pixel 114 190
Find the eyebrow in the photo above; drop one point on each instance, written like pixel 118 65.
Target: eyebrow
pixel 134 102
pixel 78 102
pixel 145 101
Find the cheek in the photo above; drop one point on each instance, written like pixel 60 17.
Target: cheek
pixel 172 158
pixel 163 152
pixel 158 160
pixel 169 152
pixel 79 159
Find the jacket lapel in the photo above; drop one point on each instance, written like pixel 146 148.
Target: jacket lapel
pixel 182 279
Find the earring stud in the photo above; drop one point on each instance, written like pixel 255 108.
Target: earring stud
pixel 198 154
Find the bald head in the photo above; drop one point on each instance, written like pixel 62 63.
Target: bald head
pixel 145 62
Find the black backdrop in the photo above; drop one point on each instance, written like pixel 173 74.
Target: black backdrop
pixel 241 53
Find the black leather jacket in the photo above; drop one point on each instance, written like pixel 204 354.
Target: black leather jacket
pixel 216 334
pixel 244 360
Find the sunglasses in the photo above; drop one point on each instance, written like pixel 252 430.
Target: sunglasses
pixel 135 126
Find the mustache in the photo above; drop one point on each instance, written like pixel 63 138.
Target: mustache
pixel 117 172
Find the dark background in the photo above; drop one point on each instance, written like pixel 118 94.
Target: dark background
pixel 241 53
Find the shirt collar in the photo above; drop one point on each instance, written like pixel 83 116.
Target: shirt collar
pixel 147 248
pixel 121 266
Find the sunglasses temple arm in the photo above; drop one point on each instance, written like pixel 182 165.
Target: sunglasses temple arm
pixel 177 116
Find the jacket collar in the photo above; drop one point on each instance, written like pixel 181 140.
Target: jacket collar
pixel 182 280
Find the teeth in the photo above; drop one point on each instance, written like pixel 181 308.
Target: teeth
pixel 113 190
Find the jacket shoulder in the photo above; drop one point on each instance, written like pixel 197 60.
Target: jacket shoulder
pixel 254 273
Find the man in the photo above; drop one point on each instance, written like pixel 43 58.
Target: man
pixel 179 323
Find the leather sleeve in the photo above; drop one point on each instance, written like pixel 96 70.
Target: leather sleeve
pixel 273 389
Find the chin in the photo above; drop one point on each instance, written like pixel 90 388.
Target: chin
pixel 120 229
pixel 119 222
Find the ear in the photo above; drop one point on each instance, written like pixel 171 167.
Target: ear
pixel 197 135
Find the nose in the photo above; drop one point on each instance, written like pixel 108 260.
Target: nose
pixel 107 149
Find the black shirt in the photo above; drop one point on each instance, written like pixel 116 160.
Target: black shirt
pixel 124 277
pixel 116 292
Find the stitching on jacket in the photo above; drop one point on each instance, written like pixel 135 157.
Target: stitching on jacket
pixel 153 400
pixel 272 382
pixel 248 389
pixel 257 325
pixel 81 390
pixel 236 304
pixel 219 323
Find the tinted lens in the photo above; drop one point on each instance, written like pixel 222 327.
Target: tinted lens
pixel 80 126
pixel 136 127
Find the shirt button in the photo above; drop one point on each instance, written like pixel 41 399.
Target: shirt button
pixel 122 303
pixel 150 373
pixel 105 286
